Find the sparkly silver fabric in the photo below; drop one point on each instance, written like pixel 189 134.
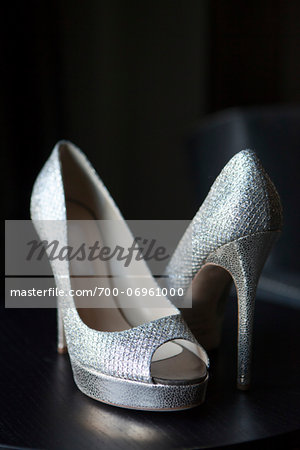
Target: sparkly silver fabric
pixel 124 355
pixel 48 209
pixel 244 260
pixel 242 201
pixel 137 395
pixel 235 229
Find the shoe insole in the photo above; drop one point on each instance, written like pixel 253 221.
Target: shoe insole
pixel 209 291
pixel 184 368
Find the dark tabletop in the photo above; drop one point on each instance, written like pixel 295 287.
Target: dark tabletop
pixel 40 406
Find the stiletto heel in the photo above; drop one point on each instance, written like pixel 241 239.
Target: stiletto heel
pixel 61 338
pixel 244 260
pixel 234 230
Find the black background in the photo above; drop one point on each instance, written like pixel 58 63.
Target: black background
pixel 125 81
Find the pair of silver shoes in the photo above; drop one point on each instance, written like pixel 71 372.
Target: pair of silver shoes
pixel 147 358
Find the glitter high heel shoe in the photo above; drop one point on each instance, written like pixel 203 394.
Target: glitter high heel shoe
pixel 140 358
pixel 229 238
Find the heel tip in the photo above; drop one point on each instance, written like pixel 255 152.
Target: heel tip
pixel 62 350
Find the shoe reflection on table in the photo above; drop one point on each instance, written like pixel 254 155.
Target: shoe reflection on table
pixel 47 410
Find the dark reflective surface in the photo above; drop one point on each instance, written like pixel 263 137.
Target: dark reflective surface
pixel 42 408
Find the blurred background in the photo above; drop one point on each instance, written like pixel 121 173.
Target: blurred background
pixel 159 95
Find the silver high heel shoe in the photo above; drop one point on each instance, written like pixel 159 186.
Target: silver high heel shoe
pixel 229 238
pixel 141 358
